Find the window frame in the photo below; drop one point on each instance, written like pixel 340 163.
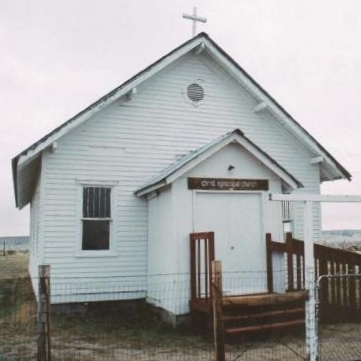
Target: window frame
pixel 112 250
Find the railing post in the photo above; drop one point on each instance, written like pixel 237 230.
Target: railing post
pixel 217 310
pixel 193 267
pixel 269 263
pixel 43 340
pixel 289 245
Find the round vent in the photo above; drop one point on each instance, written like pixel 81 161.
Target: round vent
pixel 195 92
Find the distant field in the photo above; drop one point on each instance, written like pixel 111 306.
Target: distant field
pixel 14 265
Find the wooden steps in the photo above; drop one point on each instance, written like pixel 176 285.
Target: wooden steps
pixel 252 314
pixel 255 314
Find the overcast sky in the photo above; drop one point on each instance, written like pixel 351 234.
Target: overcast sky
pixel 59 56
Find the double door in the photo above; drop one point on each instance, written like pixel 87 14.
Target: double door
pixel 236 220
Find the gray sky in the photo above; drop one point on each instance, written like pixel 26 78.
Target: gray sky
pixel 58 56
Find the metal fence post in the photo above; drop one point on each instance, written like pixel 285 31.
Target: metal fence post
pixel 43 339
pixel 318 300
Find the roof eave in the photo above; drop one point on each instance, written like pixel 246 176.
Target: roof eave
pixel 113 95
pixel 236 135
pixel 33 151
pixel 263 96
pixel 14 165
pixel 152 188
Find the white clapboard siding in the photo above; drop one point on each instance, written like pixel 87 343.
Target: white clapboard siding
pixel 132 140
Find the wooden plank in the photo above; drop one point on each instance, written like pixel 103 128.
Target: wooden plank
pixel 278 247
pixel 271 326
pixel 291 311
pixel 269 263
pixel 289 244
pixel 218 311
pixel 333 281
pixel 298 271
pixel 265 299
pixel 206 268
pixel 352 292
pixel 198 268
pixel 193 267
pixel 211 257
pixel 199 235
pixel 43 334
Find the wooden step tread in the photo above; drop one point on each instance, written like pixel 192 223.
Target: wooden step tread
pixel 265 299
pixel 265 314
pixel 238 330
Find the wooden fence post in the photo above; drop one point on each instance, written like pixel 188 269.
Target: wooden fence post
pixel 217 311
pixel 44 345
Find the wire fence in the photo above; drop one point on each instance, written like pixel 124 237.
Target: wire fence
pixel 122 320
pixel 339 317
pixel 91 319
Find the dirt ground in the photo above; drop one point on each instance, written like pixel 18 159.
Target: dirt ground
pixel 114 341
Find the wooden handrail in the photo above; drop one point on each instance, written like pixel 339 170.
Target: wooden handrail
pixel 328 261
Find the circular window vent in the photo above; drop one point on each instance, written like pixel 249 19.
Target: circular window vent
pixel 195 92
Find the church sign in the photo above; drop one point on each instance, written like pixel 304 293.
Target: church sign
pixel 228 184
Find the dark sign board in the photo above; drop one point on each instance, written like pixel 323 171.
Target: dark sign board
pixel 228 184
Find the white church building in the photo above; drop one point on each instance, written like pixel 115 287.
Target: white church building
pixel 190 144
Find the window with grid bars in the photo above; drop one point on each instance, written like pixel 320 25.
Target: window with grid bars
pixel 96 220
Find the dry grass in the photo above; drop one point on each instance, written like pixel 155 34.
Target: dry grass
pixel 91 338
pixel 14 265
pixel 16 294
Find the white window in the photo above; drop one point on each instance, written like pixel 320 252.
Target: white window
pixel 96 219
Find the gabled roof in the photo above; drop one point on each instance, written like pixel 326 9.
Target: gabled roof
pixel 25 164
pixel 192 159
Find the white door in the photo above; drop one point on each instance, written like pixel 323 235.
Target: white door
pixel 236 220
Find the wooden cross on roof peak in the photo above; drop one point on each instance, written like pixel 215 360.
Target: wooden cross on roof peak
pixel 194 18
